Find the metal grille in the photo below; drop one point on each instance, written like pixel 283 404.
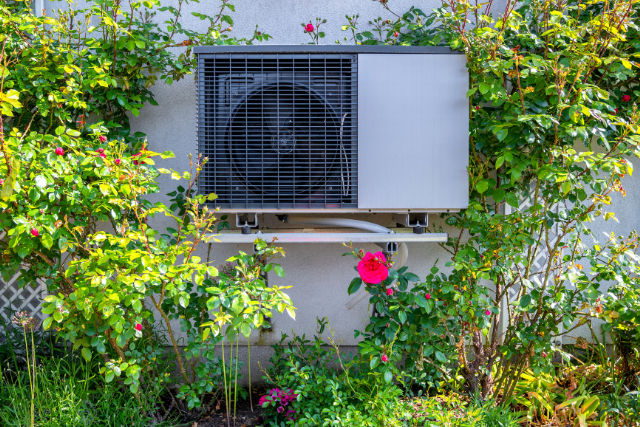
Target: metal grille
pixel 280 130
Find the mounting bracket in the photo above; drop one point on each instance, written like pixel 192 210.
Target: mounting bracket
pixel 417 221
pixel 242 222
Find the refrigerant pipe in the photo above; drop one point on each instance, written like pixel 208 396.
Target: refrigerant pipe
pixel 403 250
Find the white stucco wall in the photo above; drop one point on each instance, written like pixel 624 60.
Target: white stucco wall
pixel 318 274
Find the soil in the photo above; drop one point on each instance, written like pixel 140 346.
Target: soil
pixel 217 417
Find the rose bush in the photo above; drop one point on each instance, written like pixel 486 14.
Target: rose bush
pixel 554 122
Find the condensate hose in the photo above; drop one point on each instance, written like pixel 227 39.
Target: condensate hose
pixel 403 250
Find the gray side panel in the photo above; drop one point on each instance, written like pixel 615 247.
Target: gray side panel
pixel 413 132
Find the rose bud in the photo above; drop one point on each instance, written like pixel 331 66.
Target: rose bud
pixel 384 358
pixel 103 138
pixel 138 327
pixel 34 232
pixel 118 161
pixel 59 151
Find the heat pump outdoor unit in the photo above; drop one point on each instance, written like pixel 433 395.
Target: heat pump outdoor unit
pixel 313 129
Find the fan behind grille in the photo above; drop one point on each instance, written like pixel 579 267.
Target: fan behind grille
pixel 282 140
pixel 280 131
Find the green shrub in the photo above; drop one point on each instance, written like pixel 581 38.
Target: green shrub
pixel 333 389
pixel 553 122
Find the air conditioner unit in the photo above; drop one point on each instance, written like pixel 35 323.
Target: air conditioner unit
pixel 333 128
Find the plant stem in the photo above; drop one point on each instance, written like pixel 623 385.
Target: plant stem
pixel 224 375
pixel 235 384
pixel 249 365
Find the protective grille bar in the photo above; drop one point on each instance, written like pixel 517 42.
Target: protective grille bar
pixel 280 130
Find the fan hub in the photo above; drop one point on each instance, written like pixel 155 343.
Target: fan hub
pixel 283 141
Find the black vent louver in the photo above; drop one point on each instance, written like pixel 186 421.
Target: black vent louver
pixel 280 130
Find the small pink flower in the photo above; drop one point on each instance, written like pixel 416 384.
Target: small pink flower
pixel 428 296
pixel 59 151
pixel 138 327
pixel 477 107
pixel 626 98
pixel 34 232
pixel 389 292
pixel 104 156
pixel 488 312
pixel 118 161
pixel 384 358
pixel 396 34
pixel 103 138
pixel 100 150
pixel 280 409
pixel 544 354
pixel 372 269
pixel 1 181
pixel 387 325
pixel 309 28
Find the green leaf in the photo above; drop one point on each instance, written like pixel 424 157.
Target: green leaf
pixel 512 199
pixel 41 181
pixel 388 376
pixel 245 329
pixel 86 353
pixel 482 186
pixel 441 357
pixel 525 301
pixel 47 241
pixel 355 285
pixel 374 362
pixel 402 316
pixel 566 187
pixel 278 269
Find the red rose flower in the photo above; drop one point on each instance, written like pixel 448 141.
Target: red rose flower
pixel 372 269
pixel 1 181
pixel 59 151
pixel 384 358
pixel 488 312
pixel 118 162
pixel 389 292
pixel 100 150
pixel 34 232
pixel 396 34
pixel 427 296
pixel 138 327
pixel 616 111
pixel 309 28
pixel 104 156
pixel 626 98
pixel 103 138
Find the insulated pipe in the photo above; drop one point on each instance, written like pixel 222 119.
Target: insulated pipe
pixel 403 250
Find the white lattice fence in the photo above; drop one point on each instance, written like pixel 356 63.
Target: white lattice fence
pixel 539 263
pixel 12 298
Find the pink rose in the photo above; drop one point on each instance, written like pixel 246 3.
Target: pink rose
pixel 384 358
pixel 372 269
pixel 104 156
pixel 396 34
pixel 118 162
pixel 1 181
pixel 626 98
pixel 488 312
pixel 34 232
pixel 544 354
pixel 309 28
pixel 103 138
pixel 389 292
pixel 100 150
pixel 59 151
pixel 428 296
pixel 138 327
